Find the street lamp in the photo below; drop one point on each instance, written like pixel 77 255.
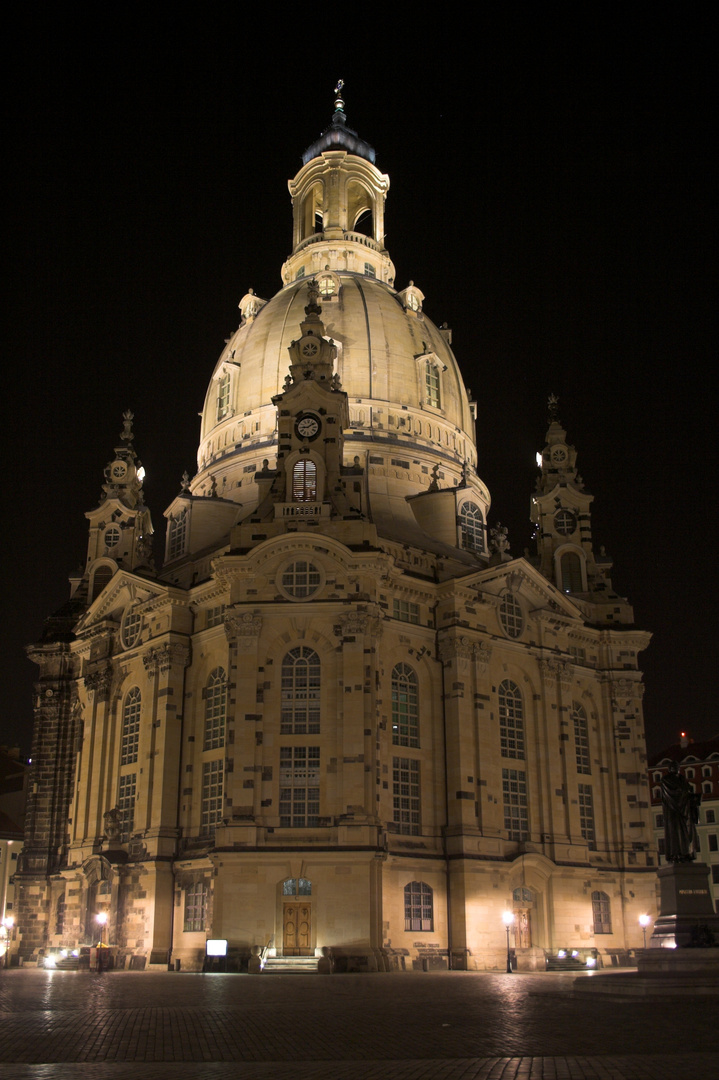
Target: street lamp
pixel 644 921
pixel 508 919
pixel 101 919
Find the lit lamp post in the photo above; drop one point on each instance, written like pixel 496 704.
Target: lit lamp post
pixel 644 921
pixel 508 919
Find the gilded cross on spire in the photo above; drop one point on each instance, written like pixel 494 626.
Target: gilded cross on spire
pixel 339 103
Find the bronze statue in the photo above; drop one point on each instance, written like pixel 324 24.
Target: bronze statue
pixel 681 814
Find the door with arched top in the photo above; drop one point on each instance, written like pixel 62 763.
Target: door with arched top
pixel 297 917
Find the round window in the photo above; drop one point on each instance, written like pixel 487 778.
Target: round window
pixel 300 579
pixel 565 522
pixel 112 536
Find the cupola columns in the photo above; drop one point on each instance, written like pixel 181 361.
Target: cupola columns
pixel 338 199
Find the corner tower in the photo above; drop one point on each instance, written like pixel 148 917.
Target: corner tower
pixel 561 513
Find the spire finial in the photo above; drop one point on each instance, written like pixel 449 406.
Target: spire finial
pixel 553 408
pixel 339 103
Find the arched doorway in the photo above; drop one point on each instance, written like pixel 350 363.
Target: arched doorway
pixel 297 917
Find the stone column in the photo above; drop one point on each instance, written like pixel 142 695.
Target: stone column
pixel 156 807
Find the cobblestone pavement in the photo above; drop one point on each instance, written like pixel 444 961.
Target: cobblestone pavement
pixel 458 1026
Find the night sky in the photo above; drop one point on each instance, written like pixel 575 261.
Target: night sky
pixel 552 194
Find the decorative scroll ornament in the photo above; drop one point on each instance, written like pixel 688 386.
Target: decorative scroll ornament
pixel 243 630
pixel 166 656
pixel 463 648
pixel 99 683
pixel 357 623
pixel 558 669
pixel 626 688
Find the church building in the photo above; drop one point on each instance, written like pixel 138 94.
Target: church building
pixel 341 721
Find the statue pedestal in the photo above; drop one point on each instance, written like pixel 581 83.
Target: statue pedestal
pixel 686 909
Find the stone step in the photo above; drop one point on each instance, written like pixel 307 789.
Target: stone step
pixel 298 965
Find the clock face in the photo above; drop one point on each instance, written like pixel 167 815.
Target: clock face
pixel 119 469
pixel 310 348
pixel 559 454
pixel 308 427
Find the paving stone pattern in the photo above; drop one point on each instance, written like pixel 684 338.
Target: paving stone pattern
pixel 347 1027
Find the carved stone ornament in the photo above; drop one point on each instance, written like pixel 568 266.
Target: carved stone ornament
pixel 165 657
pixel 625 689
pixel 558 669
pixel 113 823
pixel 482 656
pixel 462 648
pixel 355 623
pixel 243 630
pixel 99 683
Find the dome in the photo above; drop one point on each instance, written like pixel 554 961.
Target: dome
pixel 411 420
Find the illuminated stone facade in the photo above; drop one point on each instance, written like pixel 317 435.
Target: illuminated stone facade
pixel 342 716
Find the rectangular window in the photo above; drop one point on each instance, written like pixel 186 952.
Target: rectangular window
pixel 710 818
pixel 577 654
pixel 406 796
pixel 431 382
pixel 660 821
pixel 514 791
pixel 405 611
pixel 195 907
pixel 715 874
pixel 299 786
pixel 212 786
pixel 586 815
pixel 713 842
pixel 581 743
pixel 214 616
pixel 369 270
pixel 602 913
pixel 126 805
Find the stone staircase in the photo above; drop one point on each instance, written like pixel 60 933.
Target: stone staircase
pixel 291 965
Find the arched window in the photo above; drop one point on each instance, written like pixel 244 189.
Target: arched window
pixel 304 481
pixel 223 396
pixel 102 577
pixel 601 913
pixel 471 527
pixel 418 906
pixel 130 726
pixel 195 907
pixel 511 720
pixel 581 737
pixel 405 706
pixel 523 895
pixel 300 713
pixel 431 384
pixel 571 570
pixel 215 709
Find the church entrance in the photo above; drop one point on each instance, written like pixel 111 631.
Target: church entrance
pixel 297 918
pixel 297 929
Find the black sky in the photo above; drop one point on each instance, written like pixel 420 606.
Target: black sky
pixel 552 194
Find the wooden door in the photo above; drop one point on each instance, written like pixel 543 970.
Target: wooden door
pixel 297 929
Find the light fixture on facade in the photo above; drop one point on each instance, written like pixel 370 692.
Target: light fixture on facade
pixel 508 919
